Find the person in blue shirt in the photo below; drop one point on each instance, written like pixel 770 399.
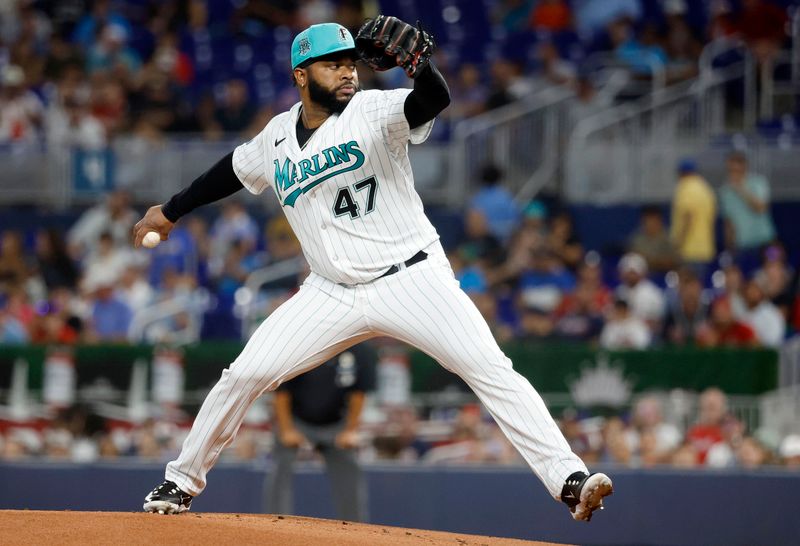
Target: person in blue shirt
pixel 496 204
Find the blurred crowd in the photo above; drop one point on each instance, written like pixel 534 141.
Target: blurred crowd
pixel 88 284
pixel 82 73
pixel 709 435
pixel 715 274
pixel 531 277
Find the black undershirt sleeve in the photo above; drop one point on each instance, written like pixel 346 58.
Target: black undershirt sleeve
pixel 216 183
pixel 428 98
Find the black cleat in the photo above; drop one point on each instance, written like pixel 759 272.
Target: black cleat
pixel 167 498
pixel 584 494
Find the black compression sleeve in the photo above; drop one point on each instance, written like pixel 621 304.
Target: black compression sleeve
pixel 216 183
pixel 429 97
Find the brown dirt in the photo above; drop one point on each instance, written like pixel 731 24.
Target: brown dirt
pixel 28 527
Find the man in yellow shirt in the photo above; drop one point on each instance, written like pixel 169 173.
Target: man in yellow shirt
pixel 694 209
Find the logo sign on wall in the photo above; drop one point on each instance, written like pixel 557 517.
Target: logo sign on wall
pixel 92 171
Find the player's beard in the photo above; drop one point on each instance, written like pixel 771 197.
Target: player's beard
pixel 326 98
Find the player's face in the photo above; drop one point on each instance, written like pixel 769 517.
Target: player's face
pixel 332 83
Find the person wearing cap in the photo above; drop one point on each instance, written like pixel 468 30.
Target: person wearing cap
pixel 694 210
pixel 642 296
pixel 338 164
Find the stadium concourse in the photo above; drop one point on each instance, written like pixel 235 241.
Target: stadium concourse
pixel 30 528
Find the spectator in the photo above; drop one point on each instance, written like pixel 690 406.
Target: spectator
pixel 593 16
pixel 496 203
pixel 682 47
pixel 762 316
pixel 106 262
pixel 551 15
pixel 91 24
pixel 563 241
pixel 723 453
pixel 693 213
pixel 686 313
pixel 543 283
pixel 642 54
pixel 110 54
pixel 590 280
pixel 648 416
pixel 530 238
pixel 114 216
pixel 75 127
pixel 514 14
pixel 652 242
pixel 54 264
pixel 751 454
pixel 790 451
pixel 744 204
pixel 13 267
pixel 233 224
pixel 581 320
pixel 723 329
pixel 707 431
pixel 775 278
pixel 470 95
pixel 237 110
pixel 110 317
pixel 12 331
pixel 21 111
pixel 624 330
pixel 763 26
pixel 645 299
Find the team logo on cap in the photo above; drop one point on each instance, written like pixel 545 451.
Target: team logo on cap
pixel 304 46
pixel 342 34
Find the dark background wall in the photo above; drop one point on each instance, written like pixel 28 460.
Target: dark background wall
pixel 653 507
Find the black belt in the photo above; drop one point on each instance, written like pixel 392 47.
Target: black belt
pixel 415 259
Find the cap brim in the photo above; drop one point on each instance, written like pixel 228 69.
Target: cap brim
pixel 332 56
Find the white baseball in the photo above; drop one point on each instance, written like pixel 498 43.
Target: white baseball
pixel 151 239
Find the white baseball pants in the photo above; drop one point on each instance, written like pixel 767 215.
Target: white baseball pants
pixel 423 306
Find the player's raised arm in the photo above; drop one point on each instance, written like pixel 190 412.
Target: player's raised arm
pixel 216 183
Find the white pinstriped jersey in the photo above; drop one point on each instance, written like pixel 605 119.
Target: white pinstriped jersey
pixel 349 192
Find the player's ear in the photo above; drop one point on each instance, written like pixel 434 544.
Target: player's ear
pixel 299 75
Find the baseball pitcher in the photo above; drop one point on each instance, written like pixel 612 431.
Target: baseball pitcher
pixel 337 162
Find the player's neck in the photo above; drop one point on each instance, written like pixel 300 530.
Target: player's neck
pixel 313 115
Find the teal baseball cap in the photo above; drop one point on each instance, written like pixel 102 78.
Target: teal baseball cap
pixel 320 40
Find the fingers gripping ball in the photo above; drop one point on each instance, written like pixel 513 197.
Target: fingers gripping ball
pixel 386 42
pixel 151 239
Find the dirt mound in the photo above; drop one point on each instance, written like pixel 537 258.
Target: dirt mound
pixel 24 527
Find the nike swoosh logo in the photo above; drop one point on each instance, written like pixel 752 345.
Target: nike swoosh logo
pixel 279 141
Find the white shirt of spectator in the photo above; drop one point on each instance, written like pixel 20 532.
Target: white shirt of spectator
pixel 646 300
pixel 348 193
pixel 767 321
pixel 630 333
pixel 17 118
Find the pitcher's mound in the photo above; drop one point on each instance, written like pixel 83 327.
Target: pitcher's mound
pixel 23 527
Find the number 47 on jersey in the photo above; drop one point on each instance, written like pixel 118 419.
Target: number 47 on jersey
pixel 346 203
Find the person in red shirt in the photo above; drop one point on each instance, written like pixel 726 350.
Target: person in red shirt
pixel 707 431
pixel 762 24
pixel 552 15
pixel 723 329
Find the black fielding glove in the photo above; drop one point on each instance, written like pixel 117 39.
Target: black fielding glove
pixel 386 42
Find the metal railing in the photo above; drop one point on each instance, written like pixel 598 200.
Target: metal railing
pixel 251 307
pixel 629 152
pixel 145 323
pixel 522 138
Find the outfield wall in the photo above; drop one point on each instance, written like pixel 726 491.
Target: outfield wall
pixel 654 507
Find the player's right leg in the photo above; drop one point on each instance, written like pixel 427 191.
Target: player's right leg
pixel 317 323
